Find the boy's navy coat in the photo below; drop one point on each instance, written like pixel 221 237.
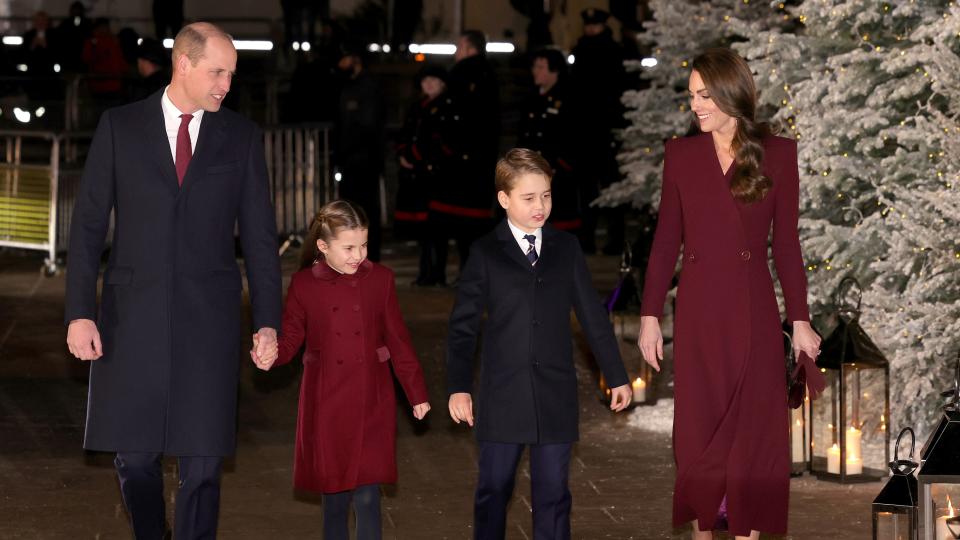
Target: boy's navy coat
pixel 169 317
pixel 528 382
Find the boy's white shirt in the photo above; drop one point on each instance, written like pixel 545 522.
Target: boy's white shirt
pixel 522 242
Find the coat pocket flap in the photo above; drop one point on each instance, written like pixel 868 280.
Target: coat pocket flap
pixel 383 354
pixel 118 275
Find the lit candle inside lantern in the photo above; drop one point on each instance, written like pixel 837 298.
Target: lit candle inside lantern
pixel 943 533
pixel 833 459
pixel 639 390
pixel 796 438
pixel 854 465
pixel 854 437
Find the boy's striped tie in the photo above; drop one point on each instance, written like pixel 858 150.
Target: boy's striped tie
pixel 532 250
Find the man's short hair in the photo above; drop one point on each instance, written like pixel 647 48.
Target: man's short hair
pixel 516 163
pixel 192 39
pixel 556 61
pixel 476 39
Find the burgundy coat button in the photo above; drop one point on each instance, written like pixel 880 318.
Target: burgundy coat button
pixel 745 254
pixel 356 307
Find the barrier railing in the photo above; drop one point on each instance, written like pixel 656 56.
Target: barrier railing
pixel 298 163
pixel 28 194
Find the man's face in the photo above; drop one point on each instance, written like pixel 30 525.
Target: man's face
pixel 464 49
pixel 206 84
pixel 542 76
pixel 593 29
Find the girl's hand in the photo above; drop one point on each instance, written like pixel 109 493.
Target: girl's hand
pixel 420 410
pixel 651 341
pixel 805 340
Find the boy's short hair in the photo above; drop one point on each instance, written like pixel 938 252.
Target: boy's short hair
pixel 517 162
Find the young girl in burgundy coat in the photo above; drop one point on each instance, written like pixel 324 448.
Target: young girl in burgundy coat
pixel 346 308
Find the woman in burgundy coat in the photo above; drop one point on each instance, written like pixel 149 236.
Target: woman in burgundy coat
pixel 346 308
pixel 722 191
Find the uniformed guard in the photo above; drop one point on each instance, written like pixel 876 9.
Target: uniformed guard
pixel 545 127
pixel 426 154
pixel 597 82
pixel 463 204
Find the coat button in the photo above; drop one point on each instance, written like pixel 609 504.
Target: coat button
pixel 356 307
pixel 745 254
pixel 356 333
pixel 337 333
pixel 692 257
pixel 539 281
pixel 353 283
pixel 335 309
pixel 339 360
pixel 536 322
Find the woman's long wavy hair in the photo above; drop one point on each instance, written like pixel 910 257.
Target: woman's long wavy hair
pixel 730 83
pixel 334 217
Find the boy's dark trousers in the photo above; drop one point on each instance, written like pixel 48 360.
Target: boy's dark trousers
pixel 198 497
pixel 550 496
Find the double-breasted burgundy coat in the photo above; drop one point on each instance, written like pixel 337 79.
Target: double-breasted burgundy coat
pixel 730 424
pixel 347 418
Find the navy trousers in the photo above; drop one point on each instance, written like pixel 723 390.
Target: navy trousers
pixel 198 495
pixel 550 495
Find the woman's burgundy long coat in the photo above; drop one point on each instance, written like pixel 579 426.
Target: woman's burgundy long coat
pixel 347 419
pixel 730 425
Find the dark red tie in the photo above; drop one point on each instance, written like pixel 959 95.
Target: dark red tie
pixel 184 148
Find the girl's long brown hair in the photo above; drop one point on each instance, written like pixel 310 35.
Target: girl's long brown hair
pixel 330 220
pixel 730 83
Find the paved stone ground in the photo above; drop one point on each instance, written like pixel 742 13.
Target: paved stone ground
pixel 621 476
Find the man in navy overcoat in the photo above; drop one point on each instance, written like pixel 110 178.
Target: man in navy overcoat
pixel 179 173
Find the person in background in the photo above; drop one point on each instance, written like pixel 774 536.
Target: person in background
pixel 361 142
pixel 426 153
pixel 462 207
pixel 152 60
pixel 72 33
pixel 104 59
pixel 546 128
pixel 597 82
pixel 39 49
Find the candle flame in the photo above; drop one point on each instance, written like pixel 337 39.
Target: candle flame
pixel 950 506
pixel 639 383
pixel 798 422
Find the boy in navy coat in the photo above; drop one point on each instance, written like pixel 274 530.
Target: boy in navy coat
pixel 526 276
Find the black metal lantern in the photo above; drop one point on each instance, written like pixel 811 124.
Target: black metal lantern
pixel 798 418
pixel 623 305
pixel 895 510
pixel 848 425
pixel 939 475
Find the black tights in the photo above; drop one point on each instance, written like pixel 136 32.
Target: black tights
pixel 366 507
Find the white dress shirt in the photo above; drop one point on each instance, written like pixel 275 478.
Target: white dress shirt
pixel 171 121
pixel 522 242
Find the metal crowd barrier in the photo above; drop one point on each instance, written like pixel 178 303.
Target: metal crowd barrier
pixel 40 177
pixel 298 163
pixel 29 193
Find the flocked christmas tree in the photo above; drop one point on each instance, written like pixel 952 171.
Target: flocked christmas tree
pixel 872 92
